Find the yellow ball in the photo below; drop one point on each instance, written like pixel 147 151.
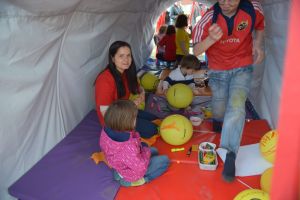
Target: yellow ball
pixel 265 180
pixel 267 145
pixel 250 194
pixel 149 81
pixel 176 130
pixel 180 95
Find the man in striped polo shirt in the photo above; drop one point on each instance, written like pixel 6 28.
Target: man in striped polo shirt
pixel 225 34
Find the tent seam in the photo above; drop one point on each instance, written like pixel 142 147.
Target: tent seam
pixel 58 72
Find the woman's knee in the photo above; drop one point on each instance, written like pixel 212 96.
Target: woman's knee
pixel 154 151
pixel 146 115
pixel 146 128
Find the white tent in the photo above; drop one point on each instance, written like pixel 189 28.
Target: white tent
pixel 51 51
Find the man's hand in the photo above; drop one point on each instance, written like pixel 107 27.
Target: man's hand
pixel 215 32
pixel 258 54
pixel 257 51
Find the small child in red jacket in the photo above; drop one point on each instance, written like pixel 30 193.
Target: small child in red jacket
pixel 157 37
pixel 169 43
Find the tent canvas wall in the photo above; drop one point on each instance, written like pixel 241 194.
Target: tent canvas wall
pixel 51 52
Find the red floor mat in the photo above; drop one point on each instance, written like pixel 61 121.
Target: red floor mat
pixel 185 180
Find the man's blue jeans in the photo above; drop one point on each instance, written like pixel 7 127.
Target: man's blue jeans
pixel 230 89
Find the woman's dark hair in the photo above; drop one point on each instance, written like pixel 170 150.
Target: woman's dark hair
pixel 121 115
pixel 130 73
pixel 181 21
pixel 171 30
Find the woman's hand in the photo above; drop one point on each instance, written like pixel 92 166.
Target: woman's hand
pixel 142 94
pixel 137 101
pixel 140 97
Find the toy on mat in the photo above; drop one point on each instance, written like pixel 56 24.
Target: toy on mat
pixel 196 121
pixel 180 95
pixel 150 141
pixel 267 145
pixel 265 180
pixel 177 149
pixel 99 157
pixel 176 130
pixel 188 153
pixel 207 156
pixel 207 112
pixel 194 147
pixel 252 194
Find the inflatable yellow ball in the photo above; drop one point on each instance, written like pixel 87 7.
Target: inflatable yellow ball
pixel 267 145
pixel 149 81
pixel 265 180
pixel 180 95
pixel 250 194
pixel 176 130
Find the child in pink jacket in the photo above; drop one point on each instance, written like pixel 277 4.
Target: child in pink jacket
pixel 134 163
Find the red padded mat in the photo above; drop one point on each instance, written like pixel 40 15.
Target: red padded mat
pixel 185 180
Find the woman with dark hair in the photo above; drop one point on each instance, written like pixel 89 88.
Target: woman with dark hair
pixel 117 81
pixel 182 37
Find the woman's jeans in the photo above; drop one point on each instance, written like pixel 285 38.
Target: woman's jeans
pixel 230 89
pixel 144 126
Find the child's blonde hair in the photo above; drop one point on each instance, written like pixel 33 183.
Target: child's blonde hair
pixel 121 115
pixel 190 62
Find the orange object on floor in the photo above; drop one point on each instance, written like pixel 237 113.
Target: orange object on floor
pixel 185 180
pixel 150 141
pixel 99 157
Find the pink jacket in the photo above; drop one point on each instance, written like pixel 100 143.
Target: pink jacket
pixel 130 159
